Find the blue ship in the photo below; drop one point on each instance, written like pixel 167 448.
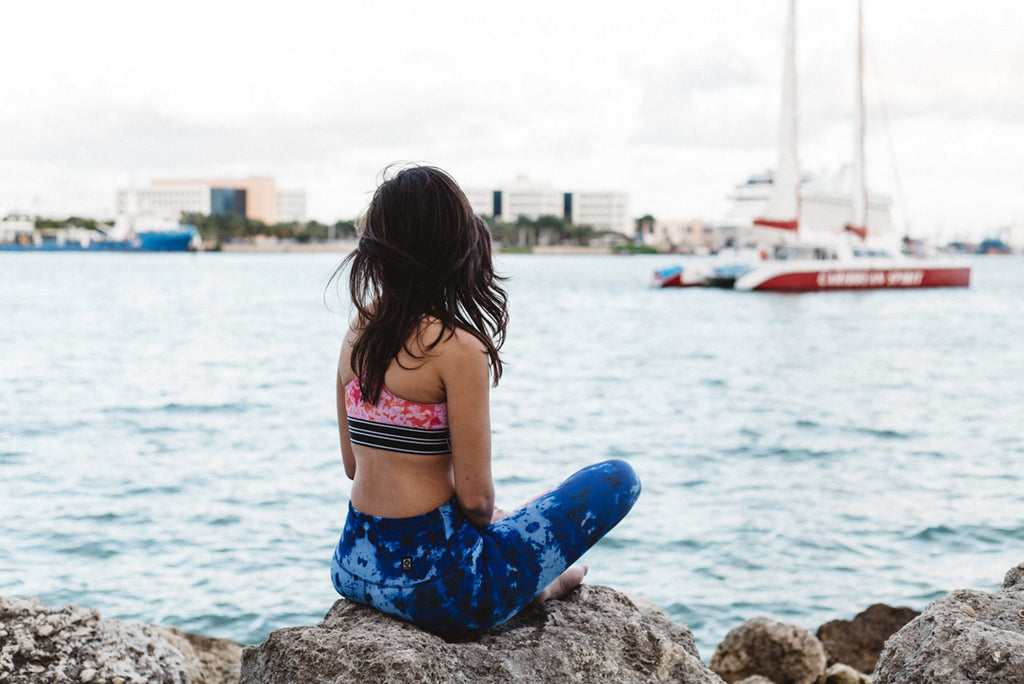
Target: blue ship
pixel 80 240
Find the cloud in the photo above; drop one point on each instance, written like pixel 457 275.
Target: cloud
pixel 671 101
pixel 921 60
pixel 718 101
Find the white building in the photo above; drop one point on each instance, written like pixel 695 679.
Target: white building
pixel 532 200
pixel 1013 235
pixel 481 200
pixel 254 197
pixel 600 210
pixel 163 201
pixel 291 206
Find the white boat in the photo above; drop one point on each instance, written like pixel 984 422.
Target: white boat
pixel 826 206
pixel 682 276
pixel 848 260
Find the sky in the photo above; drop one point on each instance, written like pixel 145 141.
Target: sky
pixel 673 101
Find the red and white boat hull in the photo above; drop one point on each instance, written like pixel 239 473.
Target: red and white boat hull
pixel 869 274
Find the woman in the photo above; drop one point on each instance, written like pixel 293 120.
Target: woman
pixel 423 540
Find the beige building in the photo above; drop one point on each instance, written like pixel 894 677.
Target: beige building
pixel 688 237
pixel 260 193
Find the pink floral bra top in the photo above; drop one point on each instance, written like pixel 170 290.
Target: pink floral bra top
pixel 396 424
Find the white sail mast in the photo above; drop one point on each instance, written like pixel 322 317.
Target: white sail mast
pixel 783 210
pixel 860 201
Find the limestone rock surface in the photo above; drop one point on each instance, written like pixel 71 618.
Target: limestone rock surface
pixel 754 679
pixel 41 645
pixel 594 635
pixel 966 636
pixel 209 660
pixel 774 650
pixel 839 673
pixel 858 642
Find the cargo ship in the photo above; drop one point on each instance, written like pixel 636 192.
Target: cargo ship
pixel 19 234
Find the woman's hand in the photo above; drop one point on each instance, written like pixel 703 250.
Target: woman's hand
pixel 497 515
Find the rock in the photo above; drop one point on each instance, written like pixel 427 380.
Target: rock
pixel 777 651
pixel 966 636
pixel 859 642
pixel 839 673
pixel 72 644
pixel 209 660
pixel 595 634
pixel 645 605
pixel 754 679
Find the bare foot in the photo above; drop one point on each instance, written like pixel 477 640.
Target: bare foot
pixel 563 584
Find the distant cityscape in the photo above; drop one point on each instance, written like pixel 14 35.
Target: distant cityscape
pixel 522 204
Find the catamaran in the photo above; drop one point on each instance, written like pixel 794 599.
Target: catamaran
pixel 800 251
pixel 846 261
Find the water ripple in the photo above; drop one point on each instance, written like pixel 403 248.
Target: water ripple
pixel 802 457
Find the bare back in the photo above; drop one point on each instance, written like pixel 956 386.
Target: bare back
pixel 395 484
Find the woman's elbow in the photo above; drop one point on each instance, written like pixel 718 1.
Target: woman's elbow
pixel 349 460
pixel 478 508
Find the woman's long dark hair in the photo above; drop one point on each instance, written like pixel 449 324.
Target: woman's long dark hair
pixel 422 252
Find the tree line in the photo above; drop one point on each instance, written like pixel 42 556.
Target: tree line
pixel 70 222
pixel 222 228
pixel 219 229
pixel 549 230
pixel 544 230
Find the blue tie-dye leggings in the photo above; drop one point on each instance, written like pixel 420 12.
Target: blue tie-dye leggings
pixel 440 572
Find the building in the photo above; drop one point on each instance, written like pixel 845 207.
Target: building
pixel 522 197
pixel 529 199
pixel 600 210
pixel 484 202
pixel 687 237
pixel 1013 235
pixel 256 198
pixel 163 202
pixel 291 205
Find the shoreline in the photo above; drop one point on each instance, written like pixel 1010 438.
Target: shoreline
pixel 965 634
pixel 339 246
pixel 347 246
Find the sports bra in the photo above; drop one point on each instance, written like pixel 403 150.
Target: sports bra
pixel 396 424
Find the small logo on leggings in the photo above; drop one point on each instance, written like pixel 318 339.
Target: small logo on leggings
pixel 407 564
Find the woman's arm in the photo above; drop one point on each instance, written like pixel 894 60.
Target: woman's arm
pixel 347 456
pixel 464 373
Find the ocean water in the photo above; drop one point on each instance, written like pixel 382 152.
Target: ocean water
pixel 168 447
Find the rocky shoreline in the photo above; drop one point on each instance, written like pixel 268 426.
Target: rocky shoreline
pixel 595 635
